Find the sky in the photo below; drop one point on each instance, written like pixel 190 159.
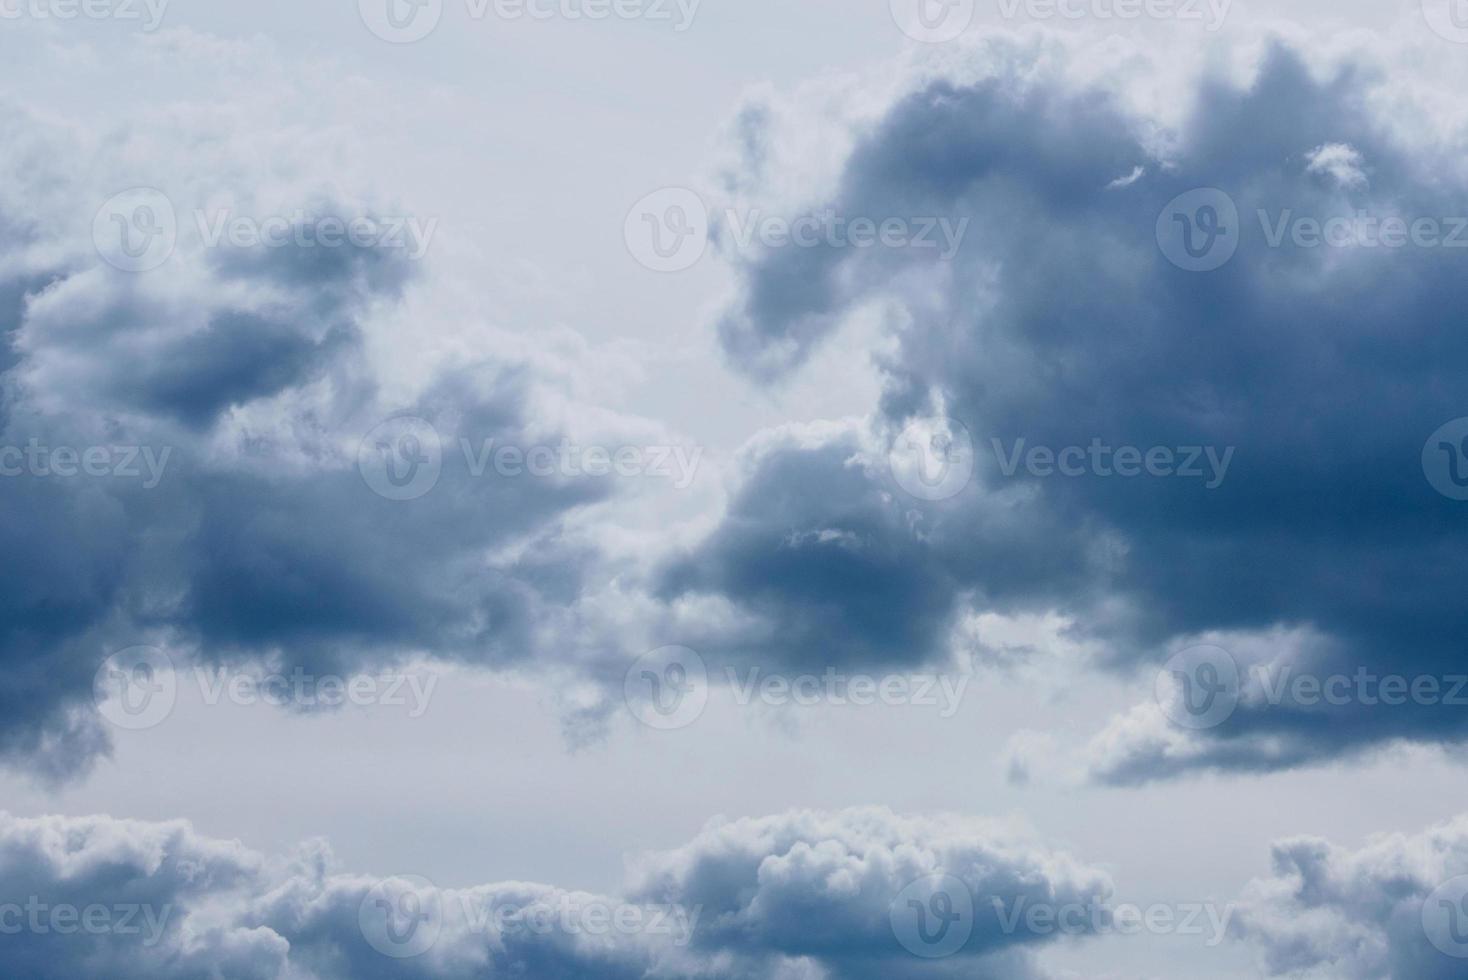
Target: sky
pixel 655 489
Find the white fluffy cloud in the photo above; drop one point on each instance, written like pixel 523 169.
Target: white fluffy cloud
pixel 800 895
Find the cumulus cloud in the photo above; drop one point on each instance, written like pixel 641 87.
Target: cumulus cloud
pixel 801 895
pixel 1301 379
pixel 1392 909
pixel 189 450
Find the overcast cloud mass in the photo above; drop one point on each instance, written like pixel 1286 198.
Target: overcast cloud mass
pixel 696 490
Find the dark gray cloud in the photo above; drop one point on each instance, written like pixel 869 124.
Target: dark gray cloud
pixel 1061 322
pixel 237 383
